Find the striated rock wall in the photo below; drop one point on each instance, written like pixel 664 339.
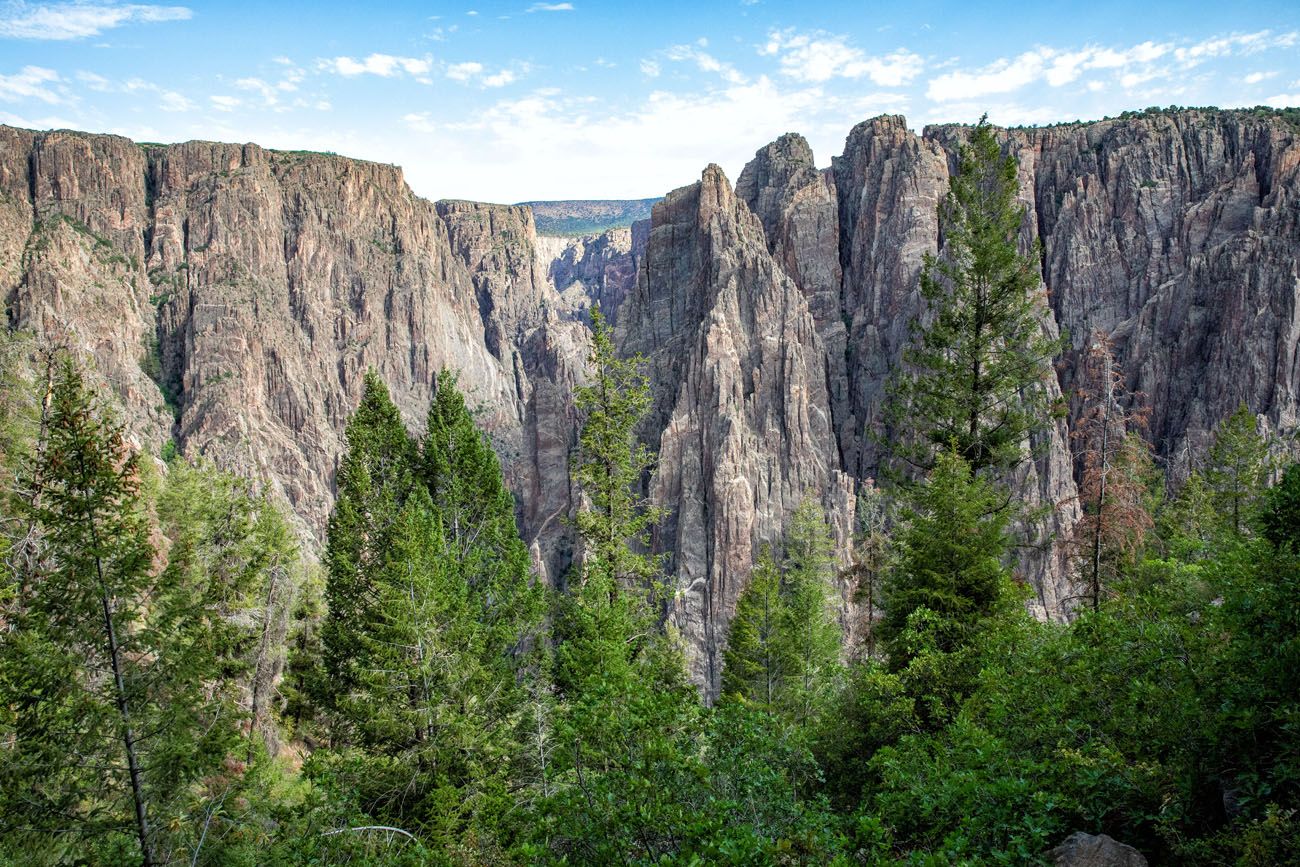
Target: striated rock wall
pixel 741 414
pixel 233 296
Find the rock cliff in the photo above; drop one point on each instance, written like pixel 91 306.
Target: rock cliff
pixel 233 296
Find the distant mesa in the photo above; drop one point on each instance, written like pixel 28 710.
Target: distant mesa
pixel 572 217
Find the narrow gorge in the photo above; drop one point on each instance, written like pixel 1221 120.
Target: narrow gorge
pixel 233 297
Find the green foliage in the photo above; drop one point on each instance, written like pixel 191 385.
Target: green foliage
pixel 1280 517
pixel 374 480
pixel 106 656
pixel 949 563
pixel 784 645
pixel 428 726
pixel 1237 468
pixel 755 664
pixel 975 376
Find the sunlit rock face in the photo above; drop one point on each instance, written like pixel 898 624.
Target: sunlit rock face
pixel 233 298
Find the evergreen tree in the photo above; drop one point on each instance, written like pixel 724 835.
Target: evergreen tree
pixel 110 658
pixel 1237 468
pixel 950 551
pixel 1280 521
pixel 754 663
pixel 236 548
pixel 374 480
pixel 625 737
pixel 615 525
pixel 976 371
pixel 435 709
pixel 477 512
pixel 811 630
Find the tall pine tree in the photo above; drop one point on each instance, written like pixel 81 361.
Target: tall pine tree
pixel 109 658
pixel 374 480
pixel 975 376
pixel 624 739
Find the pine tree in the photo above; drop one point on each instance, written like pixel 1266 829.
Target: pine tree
pixel 1280 521
pixel 434 713
pixel 374 480
pixel 111 658
pixel 754 663
pixel 950 552
pixel 477 512
pixel 870 557
pixel 976 371
pixel 1237 468
pixel 236 548
pixel 812 633
pixel 629 719
pixel 615 526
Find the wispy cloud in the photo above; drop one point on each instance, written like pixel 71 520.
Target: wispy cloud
pixel 1132 66
pixel 550 7
pixel 31 82
pixel 704 61
pixel 820 57
pixel 382 65
pixel 80 20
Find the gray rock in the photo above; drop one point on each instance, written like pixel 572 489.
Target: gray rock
pixel 1087 850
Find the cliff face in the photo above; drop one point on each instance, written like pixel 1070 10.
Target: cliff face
pixel 741 414
pixel 233 297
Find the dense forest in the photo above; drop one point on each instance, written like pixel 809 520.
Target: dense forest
pixel 181 683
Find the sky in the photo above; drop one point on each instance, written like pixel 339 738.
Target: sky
pixel 523 100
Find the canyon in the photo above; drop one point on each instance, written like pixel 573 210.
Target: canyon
pixel 232 298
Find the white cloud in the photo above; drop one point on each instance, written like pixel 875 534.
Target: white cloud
pixel 464 71
pixel 1132 66
pixel 1284 100
pixel 1001 76
pixel 1257 77
pixel 382 65
pixel 225 103
pixel 268 92
pixel 420 122
pixel 500 79
pixel 472 71
pixel 172 101
pixel 822 56
pixel 551 7
pixel 650 68
pixel 705 62
pixel 31 82
pixel 79 20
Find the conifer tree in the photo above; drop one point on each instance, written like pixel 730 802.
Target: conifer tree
pixel 1237 468
pixel 624 740
pixel 811 632
pixel 435 705
pixel 975 374
pixel 111 658
pixel 477 512
pixel 950 552
pixel 755 663
pixel 374 480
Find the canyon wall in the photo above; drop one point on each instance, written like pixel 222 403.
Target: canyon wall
pixel 233 297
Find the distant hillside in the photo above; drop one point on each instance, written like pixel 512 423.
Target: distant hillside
pixel 588 216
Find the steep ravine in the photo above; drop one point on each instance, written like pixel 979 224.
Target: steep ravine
pixel 233 296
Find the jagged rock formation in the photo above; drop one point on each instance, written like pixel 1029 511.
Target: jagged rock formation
pixel 232 297
pixel 595 269
pixel 741 416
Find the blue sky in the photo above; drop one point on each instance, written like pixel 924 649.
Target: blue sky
pixel 509 101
